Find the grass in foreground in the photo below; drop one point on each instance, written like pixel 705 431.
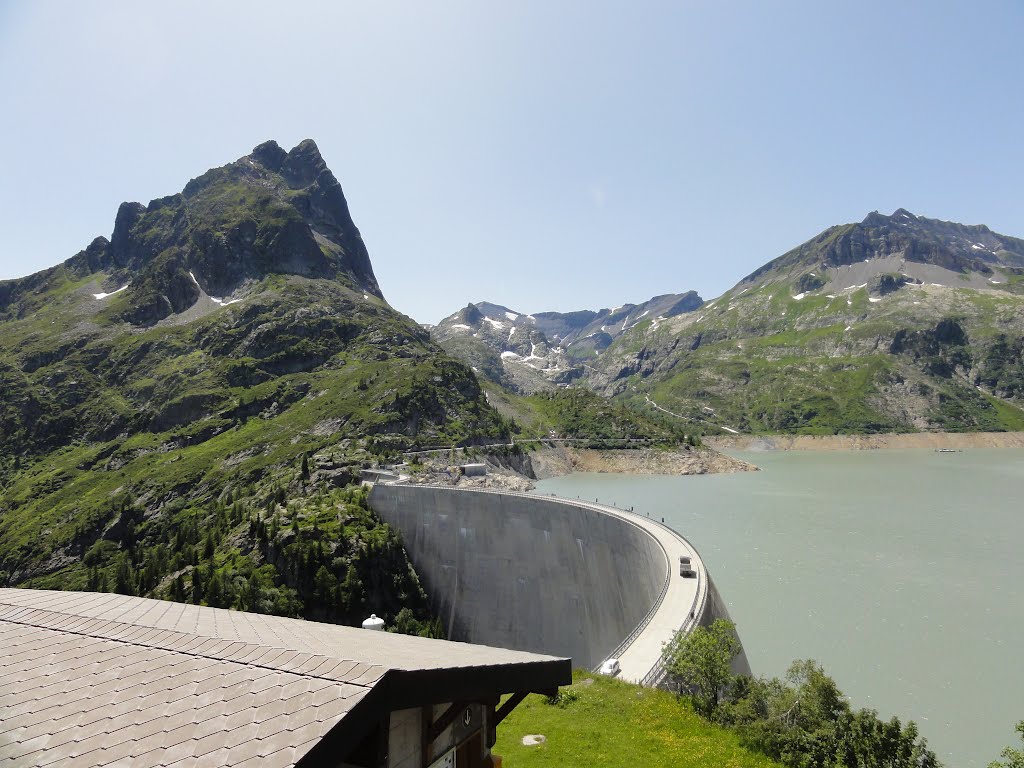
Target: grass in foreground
pixel 613 723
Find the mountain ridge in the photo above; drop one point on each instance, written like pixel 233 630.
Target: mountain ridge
pixel 915 239
pixel 890 325
pixel 934 305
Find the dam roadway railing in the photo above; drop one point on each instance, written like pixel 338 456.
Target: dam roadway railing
pixel 692 613
pixel 658 672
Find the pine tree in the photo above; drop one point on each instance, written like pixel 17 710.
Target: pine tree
pixel 178 589
pixel 197 586
pixel 124 577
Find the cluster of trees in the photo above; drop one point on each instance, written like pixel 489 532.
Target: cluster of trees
pixel 1012 758
pixel 803 720
pixel 10 465
pixel 324 556
pixel 134 555
pixel 579 413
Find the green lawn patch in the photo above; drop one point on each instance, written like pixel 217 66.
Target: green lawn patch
pixel 612 724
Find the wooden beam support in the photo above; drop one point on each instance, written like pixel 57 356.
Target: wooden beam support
pixel 384 741
pixel 492 722
pixel 511 703
pixel 494 716
pixel 426 717
pixel 449 716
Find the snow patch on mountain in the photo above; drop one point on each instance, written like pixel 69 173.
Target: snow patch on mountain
pixel 105 295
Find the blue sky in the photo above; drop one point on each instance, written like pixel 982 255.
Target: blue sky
pixel 543 155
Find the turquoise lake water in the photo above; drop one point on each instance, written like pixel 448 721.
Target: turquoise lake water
pixel 900 571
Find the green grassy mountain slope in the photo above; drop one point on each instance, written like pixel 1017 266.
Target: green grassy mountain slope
pixel 583 416
pixel 899 323
pixel 217 367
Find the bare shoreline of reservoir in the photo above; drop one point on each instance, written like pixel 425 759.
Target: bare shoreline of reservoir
pixel 935 440
pixel 561 460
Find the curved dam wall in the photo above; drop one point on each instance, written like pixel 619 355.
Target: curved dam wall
pixel 716 608
pixel 530 573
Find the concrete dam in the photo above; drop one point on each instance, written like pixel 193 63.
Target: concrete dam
pixel 550 575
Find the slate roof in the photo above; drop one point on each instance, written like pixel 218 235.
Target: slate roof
pixel 92 679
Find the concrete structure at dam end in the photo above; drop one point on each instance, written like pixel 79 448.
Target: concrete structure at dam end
pixel 550 575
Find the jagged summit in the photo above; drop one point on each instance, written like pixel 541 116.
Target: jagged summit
pixel 471 314
pixel 270 212
pixel 875 218
pixel 301 166
pixel 270 155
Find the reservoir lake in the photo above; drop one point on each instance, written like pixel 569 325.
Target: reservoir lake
pixel 900 571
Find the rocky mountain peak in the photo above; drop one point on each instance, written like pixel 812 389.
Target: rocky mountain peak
pixel 303 165
pixel 471 315
pixel 876 219
pixel 120 241
pixel 902 243
pixel 270 212
pixel 270 155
